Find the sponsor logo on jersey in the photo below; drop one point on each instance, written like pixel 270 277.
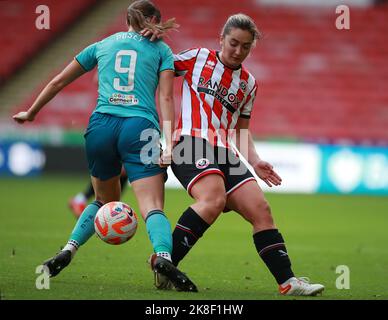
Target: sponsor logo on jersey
pixel 228 99
pixel 202 163
pixel 123 99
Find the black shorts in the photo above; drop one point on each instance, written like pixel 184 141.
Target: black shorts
pixel 193 158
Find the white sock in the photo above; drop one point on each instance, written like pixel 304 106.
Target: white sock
pixel 165 255
pixel 80 198
pixel 72 246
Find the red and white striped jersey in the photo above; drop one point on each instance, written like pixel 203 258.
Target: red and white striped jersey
pixel 214 96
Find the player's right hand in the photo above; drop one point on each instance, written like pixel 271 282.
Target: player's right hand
pixel 152 33
pixel 165 158
pixel 23 116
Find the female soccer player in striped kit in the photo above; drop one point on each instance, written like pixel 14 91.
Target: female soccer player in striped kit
pixel 217 98
pixel 130 68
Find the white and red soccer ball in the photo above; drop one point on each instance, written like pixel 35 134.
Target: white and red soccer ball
pixel 115 222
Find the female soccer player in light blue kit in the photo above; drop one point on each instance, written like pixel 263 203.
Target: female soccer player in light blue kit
pixel 123 130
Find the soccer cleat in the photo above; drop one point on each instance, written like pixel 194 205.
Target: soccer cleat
pixel 56 264
pixel 77 206
pixel 161 282
pixel 300 287
pixel 168 276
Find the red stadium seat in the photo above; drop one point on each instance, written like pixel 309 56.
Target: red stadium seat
pixel 20 39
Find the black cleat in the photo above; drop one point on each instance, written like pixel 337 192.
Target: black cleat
pixel 165 268
pixel 57 263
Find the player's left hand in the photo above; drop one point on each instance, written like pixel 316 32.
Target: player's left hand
pixel 266 173
pixel 23 116
pixel 165 158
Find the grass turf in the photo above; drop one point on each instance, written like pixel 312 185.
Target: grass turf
pixel 321 232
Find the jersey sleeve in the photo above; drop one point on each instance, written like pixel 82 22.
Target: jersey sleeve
pixel 87 58
pixel 167 59
pixel 184 60
pixel 246 109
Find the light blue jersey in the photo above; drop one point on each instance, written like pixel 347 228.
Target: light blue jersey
pixel 128 73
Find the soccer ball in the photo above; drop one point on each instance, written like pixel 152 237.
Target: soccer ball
pixel 115 222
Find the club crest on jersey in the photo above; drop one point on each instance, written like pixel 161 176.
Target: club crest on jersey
pixel 202 163
pixel 243 85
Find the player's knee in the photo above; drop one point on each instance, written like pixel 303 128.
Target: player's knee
pixel 219 203
pixel 264 208
pixel 264 216
pixel 214 206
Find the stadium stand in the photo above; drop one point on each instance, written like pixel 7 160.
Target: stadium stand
pixel 20 39
pixel 316 83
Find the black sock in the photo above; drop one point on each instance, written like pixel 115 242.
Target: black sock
pixel 271 248
pixel 89 192
pixel 123 182
pixel 189 228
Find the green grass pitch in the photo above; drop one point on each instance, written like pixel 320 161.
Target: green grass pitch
pixel 321 231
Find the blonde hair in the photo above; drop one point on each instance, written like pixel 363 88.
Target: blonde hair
pixel 139 11
pixel 243 22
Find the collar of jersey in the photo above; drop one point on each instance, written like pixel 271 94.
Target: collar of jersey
pixel 219 59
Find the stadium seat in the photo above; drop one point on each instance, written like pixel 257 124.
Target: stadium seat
pixel 20 39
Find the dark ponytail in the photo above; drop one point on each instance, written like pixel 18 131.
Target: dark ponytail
pixel 139 11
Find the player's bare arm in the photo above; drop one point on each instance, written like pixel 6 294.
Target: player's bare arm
pixel 68 75
pixel 167 109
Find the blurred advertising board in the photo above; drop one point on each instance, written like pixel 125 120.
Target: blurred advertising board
pixel 311 168
pixel 21 159
pixel 359 170
pixel 314 168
